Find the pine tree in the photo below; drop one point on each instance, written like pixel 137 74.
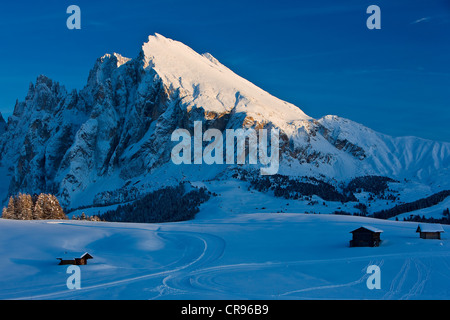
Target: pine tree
pixel 51 208
pixel 46 207
pixel 23 207
pixel 57 211
pixel 38 212
pixel 18 207
pixel 5 213
pixel 9 211
pixel 27 207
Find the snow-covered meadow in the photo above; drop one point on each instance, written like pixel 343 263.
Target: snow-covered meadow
pixel 219 255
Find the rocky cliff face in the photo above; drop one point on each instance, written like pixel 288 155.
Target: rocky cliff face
pixel 2 124
pixel 111 141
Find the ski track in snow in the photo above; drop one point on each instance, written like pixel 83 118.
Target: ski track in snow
pixel 204 280
pixel 411 269
pixel 398 281
pixel 199 271
pixel 208 253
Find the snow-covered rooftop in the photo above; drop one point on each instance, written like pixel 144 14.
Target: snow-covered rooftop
pixel 427 227
pixel 371 228
pixel 73 255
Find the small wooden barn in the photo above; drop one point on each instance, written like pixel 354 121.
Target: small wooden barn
pixel 75 258
pixel 366 236
pixel 430 231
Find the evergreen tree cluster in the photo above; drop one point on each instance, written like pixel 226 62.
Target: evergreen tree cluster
pixel 362 208
pixel 376 185
pixel 165 205
pixel 283 186
pixel 413 206
pixel 297 188
pixel 36 207
pixel 85 217
pixel 418 218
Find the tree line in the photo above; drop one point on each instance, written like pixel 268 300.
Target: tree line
pixel 417 218
pixel 285 187
pixel 376 185
pixel 165 205
pixel 33 207
pixel 413 206
pixel 297 188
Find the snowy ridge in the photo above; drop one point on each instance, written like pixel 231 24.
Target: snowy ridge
pixel 389 156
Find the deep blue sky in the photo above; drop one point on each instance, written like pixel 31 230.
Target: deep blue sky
pixel 318 55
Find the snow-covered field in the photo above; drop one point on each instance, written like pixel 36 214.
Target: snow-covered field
pixel 239 256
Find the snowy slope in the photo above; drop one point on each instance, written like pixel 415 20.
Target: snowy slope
pixel 243 256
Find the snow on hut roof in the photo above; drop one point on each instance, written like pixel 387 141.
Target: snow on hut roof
pixel 77 255
pixel 429 227
pixel 370 228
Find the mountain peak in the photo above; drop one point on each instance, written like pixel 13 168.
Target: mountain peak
pixel 105 66
pixel 43 79
pixel 204 82
pixel 116 58
pixel 157 36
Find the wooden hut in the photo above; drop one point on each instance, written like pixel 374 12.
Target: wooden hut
pixel 75 258
pixel 430 231
pixel 366 236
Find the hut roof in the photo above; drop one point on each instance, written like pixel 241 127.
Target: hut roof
pixel 73 255
pixel 370 228
pixel 429 227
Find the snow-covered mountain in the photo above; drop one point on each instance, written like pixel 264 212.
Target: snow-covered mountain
pixel 111 141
